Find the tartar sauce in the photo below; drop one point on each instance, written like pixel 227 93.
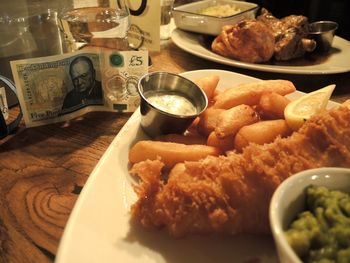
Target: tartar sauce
pixel 173 103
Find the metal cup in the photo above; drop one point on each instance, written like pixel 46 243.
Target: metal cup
pixel 157 122
pixel 323 33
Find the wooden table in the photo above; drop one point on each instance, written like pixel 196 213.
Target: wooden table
pixel 43 169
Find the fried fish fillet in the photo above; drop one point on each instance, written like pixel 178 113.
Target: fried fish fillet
pixel 231 194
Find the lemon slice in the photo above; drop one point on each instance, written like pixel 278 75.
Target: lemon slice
pixel 301 109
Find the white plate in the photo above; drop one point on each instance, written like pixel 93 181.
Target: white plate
pixel 98 229
pixel 337 61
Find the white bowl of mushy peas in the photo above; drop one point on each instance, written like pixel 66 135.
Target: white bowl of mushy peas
pixel 310 216
pixel 169 103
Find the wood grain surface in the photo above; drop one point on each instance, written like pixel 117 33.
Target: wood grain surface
pixel 43 169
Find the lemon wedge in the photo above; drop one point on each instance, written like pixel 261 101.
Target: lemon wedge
pixel 301 109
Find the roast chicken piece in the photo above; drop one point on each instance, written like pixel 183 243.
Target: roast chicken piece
pixel 259 40
pixel 249 41
pixel 290 35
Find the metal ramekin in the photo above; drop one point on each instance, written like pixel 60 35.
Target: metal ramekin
pixel 157 122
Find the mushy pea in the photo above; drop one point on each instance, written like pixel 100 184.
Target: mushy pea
pixel 322 233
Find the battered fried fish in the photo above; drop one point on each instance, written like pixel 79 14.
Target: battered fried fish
pixel 231 194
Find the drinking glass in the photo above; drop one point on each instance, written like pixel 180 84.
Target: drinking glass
pixel 96 23
pixel 27 32
pixel 165 18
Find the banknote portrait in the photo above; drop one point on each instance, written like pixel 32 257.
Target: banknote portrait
pixel 131 86
pixel 87 90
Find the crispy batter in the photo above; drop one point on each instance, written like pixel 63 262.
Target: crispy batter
pixel 231 194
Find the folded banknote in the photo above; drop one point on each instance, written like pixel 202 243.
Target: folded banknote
pixel 59 88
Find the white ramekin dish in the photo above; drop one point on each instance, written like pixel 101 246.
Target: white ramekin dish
pixel 186 17
pixel 289 199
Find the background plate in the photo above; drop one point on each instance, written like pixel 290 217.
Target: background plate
pixel 336 62
pixel 99 230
